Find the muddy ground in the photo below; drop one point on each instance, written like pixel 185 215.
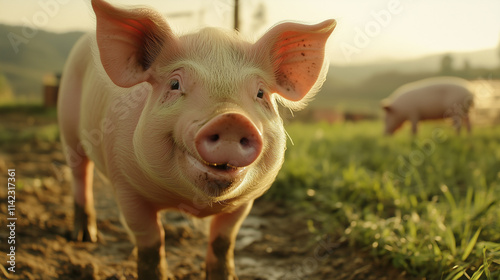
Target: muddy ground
pixel 274 242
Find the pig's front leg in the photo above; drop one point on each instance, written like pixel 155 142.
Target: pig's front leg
pixel 467 122
pixel 414 125
pixel 457 123
pixel 143 220
pixel 220 253
pixel 85 228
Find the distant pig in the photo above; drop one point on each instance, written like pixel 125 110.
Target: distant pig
pixel 433 98
pixel 188 123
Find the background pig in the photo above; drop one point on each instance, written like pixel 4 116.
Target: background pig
pixel 433 98
pixel 188 123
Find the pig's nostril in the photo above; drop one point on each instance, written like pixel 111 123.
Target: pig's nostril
pixel 229 141
pixel 244 141
pixel 213 138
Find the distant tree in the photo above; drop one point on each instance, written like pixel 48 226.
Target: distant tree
pixel 499 53
pixel 6 94
pixel 259 17
pixel 447 64
pixel 467 68
pixel 466 65
pixel 236 15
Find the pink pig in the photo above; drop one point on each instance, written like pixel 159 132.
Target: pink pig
pixel 433 98
pixel 187 123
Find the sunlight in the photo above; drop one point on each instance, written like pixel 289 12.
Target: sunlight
pixel 368 30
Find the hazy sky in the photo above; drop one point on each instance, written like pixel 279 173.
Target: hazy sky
pixel 369 30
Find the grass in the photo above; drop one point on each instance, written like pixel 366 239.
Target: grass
pixel 14 128
pixel 429 204
pixel 31 109
pixel 47 133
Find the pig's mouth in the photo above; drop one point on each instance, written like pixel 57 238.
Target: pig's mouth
pixel 219 166
pixel 216 179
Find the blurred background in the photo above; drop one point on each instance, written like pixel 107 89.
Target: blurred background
pixel 376 47
pixel 348 202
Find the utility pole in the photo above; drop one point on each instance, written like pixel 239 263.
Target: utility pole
pixel 236 16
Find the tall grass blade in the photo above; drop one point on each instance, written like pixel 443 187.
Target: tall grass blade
pixel 471 245
pixel 456 274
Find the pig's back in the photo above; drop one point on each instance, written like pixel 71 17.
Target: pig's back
pixel 70 91
pixel 433 95
pixel 81 101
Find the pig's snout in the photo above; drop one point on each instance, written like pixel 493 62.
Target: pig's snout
pixel 229 141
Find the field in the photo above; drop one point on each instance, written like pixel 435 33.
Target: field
pixel 429 204
pixel 348 204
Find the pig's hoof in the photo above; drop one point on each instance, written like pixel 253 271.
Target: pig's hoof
pixel 151 263
pixel 218 277
pixel 85 228
pixel 221 275
pixel 84 234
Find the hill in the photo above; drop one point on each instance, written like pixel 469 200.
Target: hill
pixel 24 60
pixel 361 87
pixel 477 59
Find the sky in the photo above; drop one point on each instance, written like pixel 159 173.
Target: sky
pixel 367 31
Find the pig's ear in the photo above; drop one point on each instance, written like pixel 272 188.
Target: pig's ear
pixel 129 41
pixel 297 52
pixel 386 106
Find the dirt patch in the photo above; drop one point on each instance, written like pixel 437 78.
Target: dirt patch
pixel 273 243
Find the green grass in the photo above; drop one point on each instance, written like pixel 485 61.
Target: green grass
pixel 429 204
pixel 31 109
pixel 15 129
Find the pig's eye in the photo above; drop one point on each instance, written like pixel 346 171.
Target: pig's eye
pixel 175 85
pixel 260 93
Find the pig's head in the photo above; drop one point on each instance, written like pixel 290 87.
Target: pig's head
pixel 210 126
pixel 393 118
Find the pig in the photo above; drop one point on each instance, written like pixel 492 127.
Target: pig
pixel 432 98
pixel 187 123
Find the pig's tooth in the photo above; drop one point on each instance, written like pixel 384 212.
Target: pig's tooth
pixel 229 166
pixel 225 166
pixel 207 163
pixel 222 166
